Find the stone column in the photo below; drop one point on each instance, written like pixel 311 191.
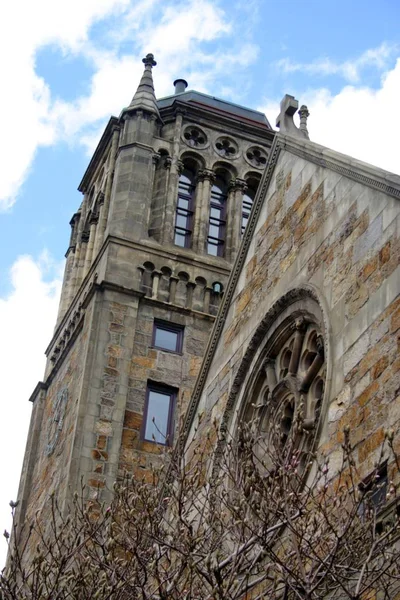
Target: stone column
pixel 269 367
pixel 300 327
pixel 82 259
pixel 237 187
pixel 90 246
pixel 98 239
pixel 67 281
pixel 189 296
pixel 175 167
pixel 73 288
pixel 206 178
pixel 156 275
pixel 107 194
pixel 207 296
pixel 172 288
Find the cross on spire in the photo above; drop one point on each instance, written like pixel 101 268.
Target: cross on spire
pixel 149 61
pixel 145 98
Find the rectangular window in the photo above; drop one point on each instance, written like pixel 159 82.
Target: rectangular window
pixel 167 336
pixel 158 414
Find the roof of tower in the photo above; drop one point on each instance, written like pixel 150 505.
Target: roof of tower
pixel 216 104
pixel 145 98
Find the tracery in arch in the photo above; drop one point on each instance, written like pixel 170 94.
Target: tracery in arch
pixel 284 394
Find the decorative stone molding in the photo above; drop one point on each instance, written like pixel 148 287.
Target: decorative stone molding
pixel 226 147
pixel 167 162
pixel 238 185
pixel 206 174
pixel 194 137
pixel 283 361
pixel 283 387
pixel 368 175
pixel 67 335
pixel 256 157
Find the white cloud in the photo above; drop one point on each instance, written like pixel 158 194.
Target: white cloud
pixel 27 317
pixel 350 70
pixel 173 38
pixel 173 31
pixel 358 121
pixel 25 101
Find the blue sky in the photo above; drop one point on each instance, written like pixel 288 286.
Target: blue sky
pixel 66 66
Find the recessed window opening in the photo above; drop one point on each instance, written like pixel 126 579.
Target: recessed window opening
pixel 217 287
pixel 158 414
pixel 216 227
pixel 167 336
pixel 374 489
pixel 184 209
pixel 248 199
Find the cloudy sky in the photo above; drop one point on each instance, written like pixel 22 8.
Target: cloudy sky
pixel 66 66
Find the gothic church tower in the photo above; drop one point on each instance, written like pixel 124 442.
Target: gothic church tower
pixel 166 198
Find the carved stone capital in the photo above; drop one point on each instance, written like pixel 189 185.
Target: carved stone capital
pixel 167 162
pixel 155 158
pixel 300 324
pixel 206 174
pixel 180 166
pixel 237 184
pixel 94 218
pixel 180 111
pixel 85 237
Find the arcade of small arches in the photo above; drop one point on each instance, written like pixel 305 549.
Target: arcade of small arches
pixel 180 289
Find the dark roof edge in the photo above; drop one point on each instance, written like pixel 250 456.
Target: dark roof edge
pixel 208 96
pixel 101 146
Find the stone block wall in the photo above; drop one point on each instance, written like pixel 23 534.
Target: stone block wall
pixel 319 228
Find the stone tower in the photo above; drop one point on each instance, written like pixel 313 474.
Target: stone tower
pixel 166 198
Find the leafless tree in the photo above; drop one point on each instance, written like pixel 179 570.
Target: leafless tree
pixel 258 523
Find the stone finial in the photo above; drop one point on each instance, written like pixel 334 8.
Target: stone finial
pixel 284 121
pixel 145 98
pixel 304 114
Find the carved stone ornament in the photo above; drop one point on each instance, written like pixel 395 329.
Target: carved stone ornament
pixel 194 137
pixel 256 157
pixel 283 392
pixel 226 147
pixel 56 421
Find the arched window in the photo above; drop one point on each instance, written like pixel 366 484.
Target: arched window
pixel 248 199
pixel 216 227
pixel 184 208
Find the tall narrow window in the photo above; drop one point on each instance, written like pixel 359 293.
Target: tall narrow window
pixel 216 228
pixel 252 182
pixel 158 414
pixel 248 199
pixel 184 209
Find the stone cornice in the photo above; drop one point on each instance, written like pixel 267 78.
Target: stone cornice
pixel 347 166
pixel 203 114
pixel 189 258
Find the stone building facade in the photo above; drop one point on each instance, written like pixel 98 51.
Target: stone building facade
pixel 214 261
pixel 166 198
pixel 311 315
